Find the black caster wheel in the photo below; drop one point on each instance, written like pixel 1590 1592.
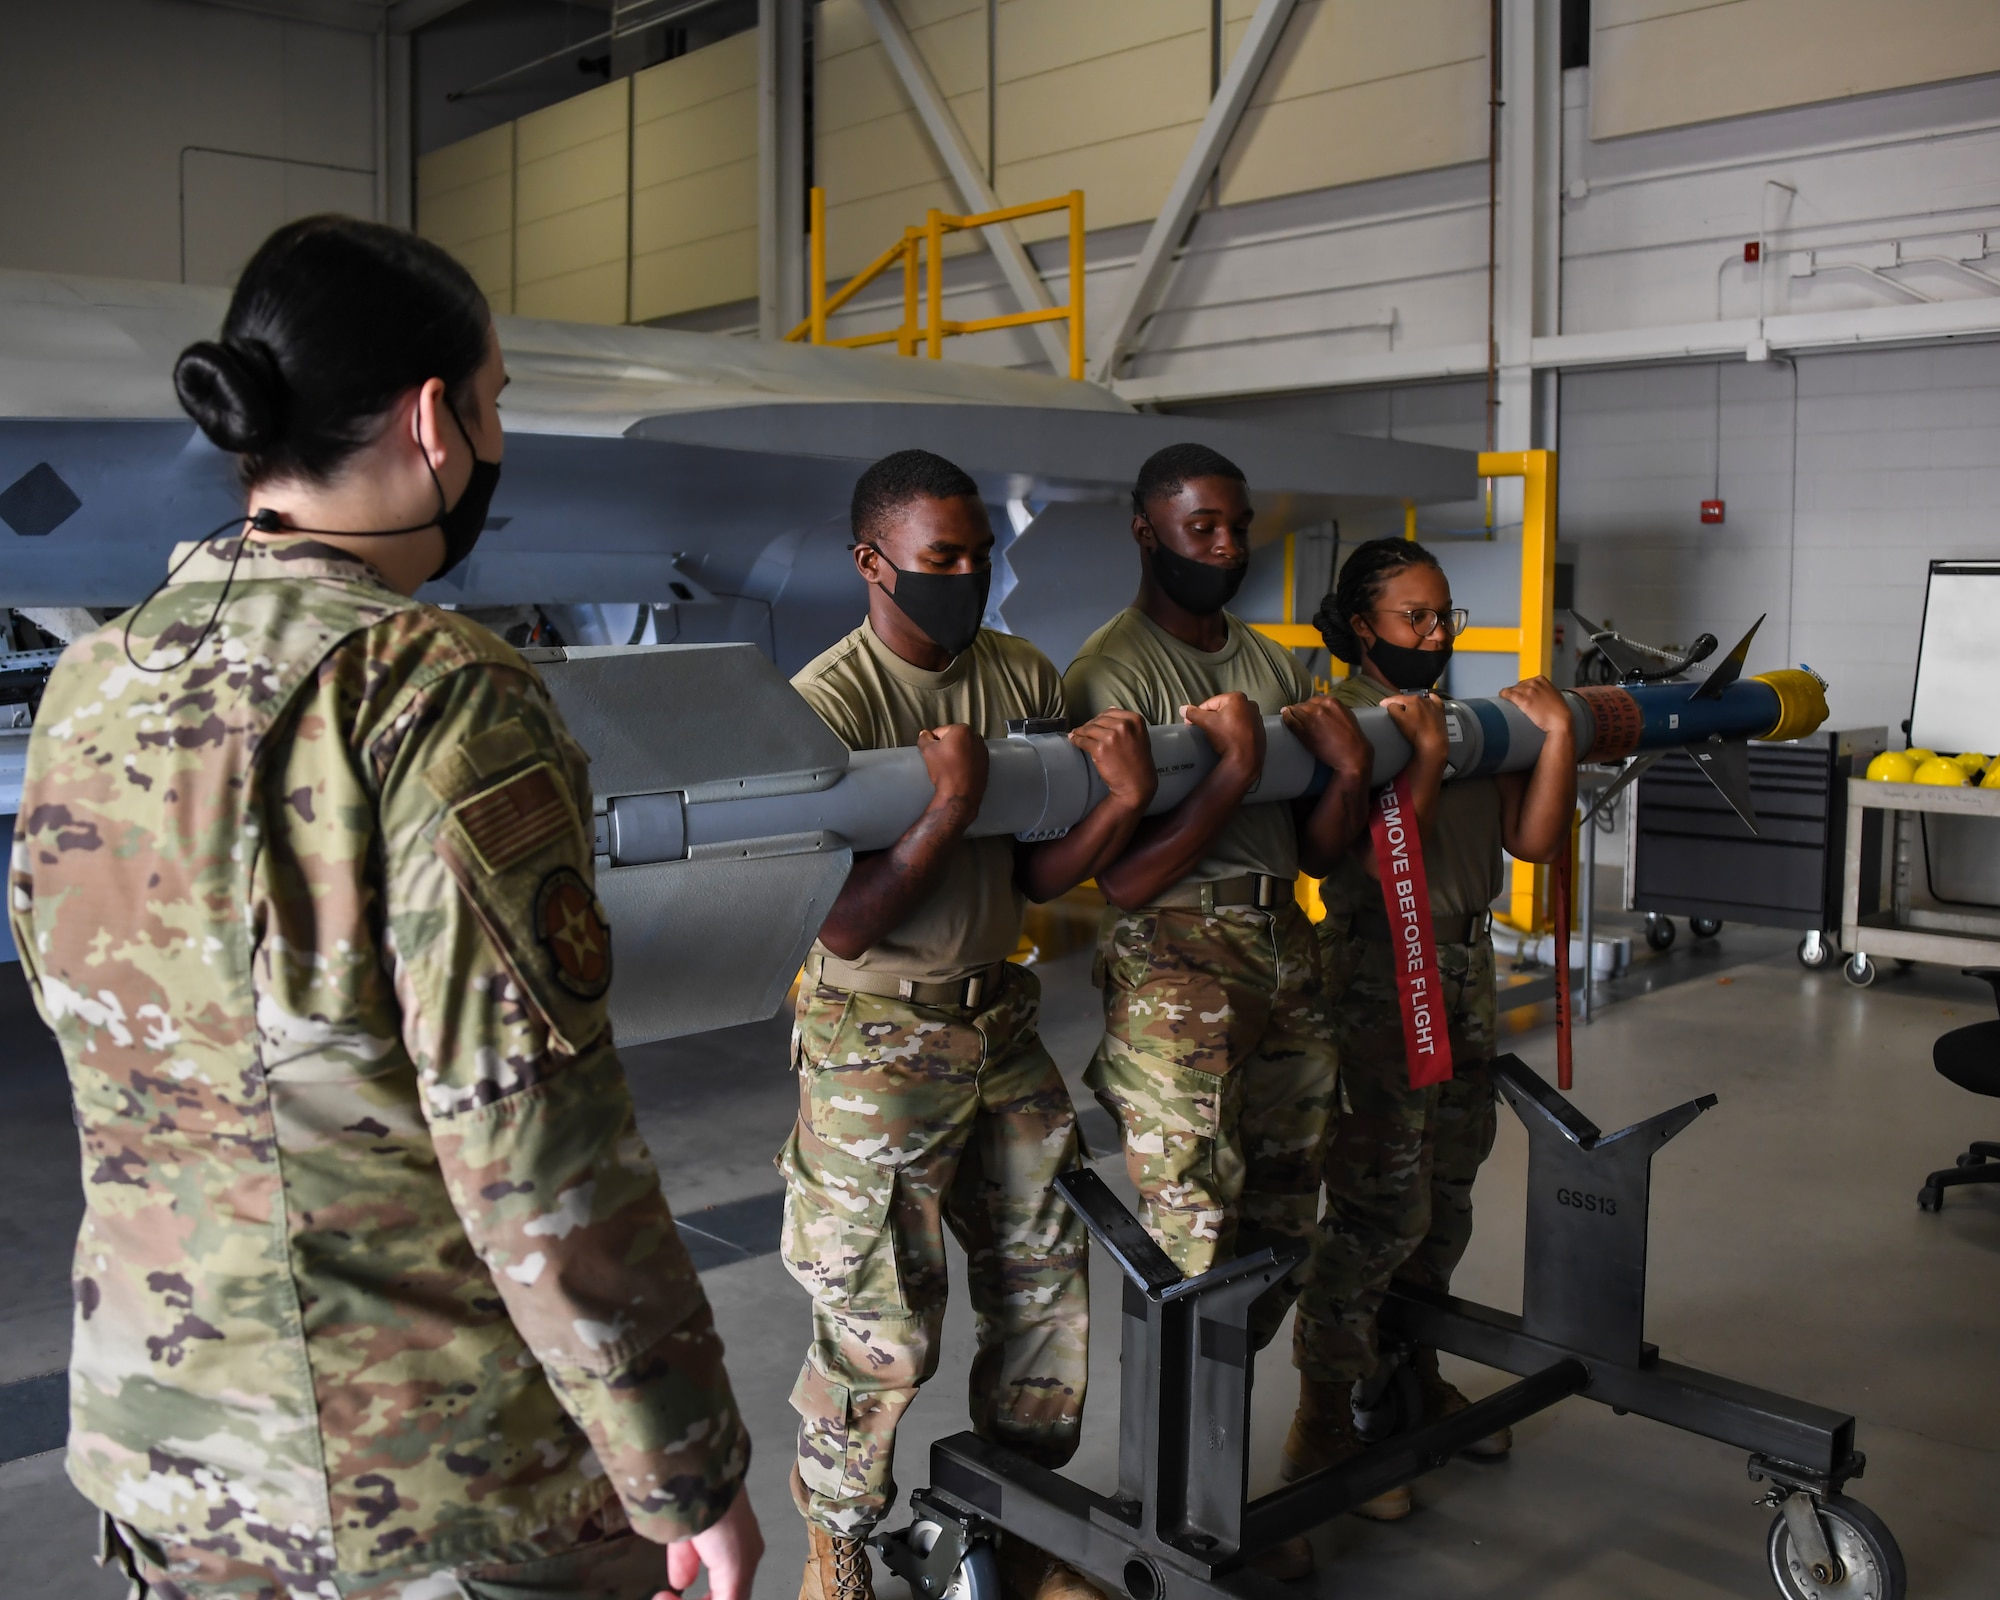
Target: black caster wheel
pixel 1930 1199
pixel 1866 1563
pixel 1816 952
pixel 1660 932
pixel 1705 927
pixel 976 1577
pixel 1858 970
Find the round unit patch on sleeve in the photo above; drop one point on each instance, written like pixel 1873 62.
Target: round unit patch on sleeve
pixel 573 934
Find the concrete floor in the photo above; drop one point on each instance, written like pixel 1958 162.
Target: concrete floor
pixel 1787 1251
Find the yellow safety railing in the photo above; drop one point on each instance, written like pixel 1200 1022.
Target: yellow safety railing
pixel 920 253
pixel 1533 640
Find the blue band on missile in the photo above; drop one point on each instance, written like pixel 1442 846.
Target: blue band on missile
pixel 1494 735
pixel 1673 716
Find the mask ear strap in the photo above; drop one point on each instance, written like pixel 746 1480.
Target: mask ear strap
pixel 153 594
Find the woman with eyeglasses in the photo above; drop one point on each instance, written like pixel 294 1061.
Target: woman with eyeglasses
pixel 1400 1165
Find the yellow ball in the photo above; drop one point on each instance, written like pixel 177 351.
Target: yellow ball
pixel 1946 774
pixel 1892 766
pixel 1992 778
pixel 1972 761
pixel 1920 755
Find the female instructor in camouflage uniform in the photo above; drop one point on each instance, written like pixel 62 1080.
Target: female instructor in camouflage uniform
pixel 1400 1164
pixel 377 1294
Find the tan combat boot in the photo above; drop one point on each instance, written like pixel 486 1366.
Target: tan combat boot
pixel 836 1567
pixel 1323 1436
pixel 1442 1398
pixel 1028 1572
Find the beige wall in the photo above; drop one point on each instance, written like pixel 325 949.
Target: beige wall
pixel 694 180
pixel 572 163
pixel 1103 96
pixel 870 153
pixel 100 98
pixel 632 201
pixel 1662 63
pixel 465 201
pixel 1357 89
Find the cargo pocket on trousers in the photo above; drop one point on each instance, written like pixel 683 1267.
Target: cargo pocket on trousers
pixel 825 1433
pixel 839 1237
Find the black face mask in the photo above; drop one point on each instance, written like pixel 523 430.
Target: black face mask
pixel 947 607
pixel 1195 585
pixel 1407 667
pixel 463 523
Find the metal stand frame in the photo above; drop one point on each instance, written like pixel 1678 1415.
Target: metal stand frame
pixel 1181 1525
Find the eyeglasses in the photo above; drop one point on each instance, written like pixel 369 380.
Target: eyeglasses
pixel 1424 621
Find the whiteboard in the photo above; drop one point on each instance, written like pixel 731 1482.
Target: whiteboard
pixel 1957 702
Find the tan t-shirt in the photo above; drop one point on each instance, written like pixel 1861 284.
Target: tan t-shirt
pixel 1462 851
pixel 1135 664
pixel 875 700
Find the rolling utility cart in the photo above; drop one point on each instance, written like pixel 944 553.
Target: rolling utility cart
pixel 1181 1525
pixel 1956 936
pixel 1688 854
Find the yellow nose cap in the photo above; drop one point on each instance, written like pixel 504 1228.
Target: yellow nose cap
pixel 1801 703
pixel 1942 771
pixel 1892 766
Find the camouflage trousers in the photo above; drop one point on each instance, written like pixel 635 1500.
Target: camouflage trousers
pixel 1401 1163
pixel 606 1565
pixel 914 1119
pixel 1218 1064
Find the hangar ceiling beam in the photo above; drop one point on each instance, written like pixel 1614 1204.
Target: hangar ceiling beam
pixel 781 165
pixel 975 194
pixel 1156 257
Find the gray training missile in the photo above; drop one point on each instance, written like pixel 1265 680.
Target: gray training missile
pixel 726 814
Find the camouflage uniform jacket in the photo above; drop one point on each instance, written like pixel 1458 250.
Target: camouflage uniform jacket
pixel 375 1271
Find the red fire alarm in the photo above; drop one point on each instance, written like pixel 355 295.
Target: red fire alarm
pixel 1711 511
pixel 1753 251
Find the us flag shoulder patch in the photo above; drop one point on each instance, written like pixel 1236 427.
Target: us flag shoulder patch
pixel 511 820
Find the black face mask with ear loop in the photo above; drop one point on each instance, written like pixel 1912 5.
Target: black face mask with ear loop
pixel 947 607
pixel 461 525
pixel 1406 666
pixel 1194 586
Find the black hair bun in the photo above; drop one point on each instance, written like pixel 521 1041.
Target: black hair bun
pixel 235 392
pixel 1341 641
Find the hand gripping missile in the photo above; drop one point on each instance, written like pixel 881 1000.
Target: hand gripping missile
pixel 727 814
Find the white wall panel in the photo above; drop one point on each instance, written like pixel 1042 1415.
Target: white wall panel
pixel 1897 464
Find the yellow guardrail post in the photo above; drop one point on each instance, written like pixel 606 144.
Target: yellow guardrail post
pixel 1534 640
pixel 816 227
pixel 906 336
pixel 934 282
pixel 1076 254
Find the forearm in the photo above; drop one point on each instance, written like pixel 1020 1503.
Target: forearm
pixel 884 888
pixel 1426 786
pixel 1056 866
pixel 1333 824
pixel 1166 850
pixel 563 1205
pixel 1541 831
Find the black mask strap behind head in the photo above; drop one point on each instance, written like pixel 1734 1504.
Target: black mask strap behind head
pixel 265 520
pixel 154 593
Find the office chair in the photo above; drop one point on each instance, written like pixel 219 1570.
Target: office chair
pixel 1970 1058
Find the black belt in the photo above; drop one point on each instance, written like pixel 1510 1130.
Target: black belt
pixel 1373 923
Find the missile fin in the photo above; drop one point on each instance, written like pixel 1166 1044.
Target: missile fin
pixel 1731 669
pixel 1627 655
pixel 1726 764
pixel 1634 770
